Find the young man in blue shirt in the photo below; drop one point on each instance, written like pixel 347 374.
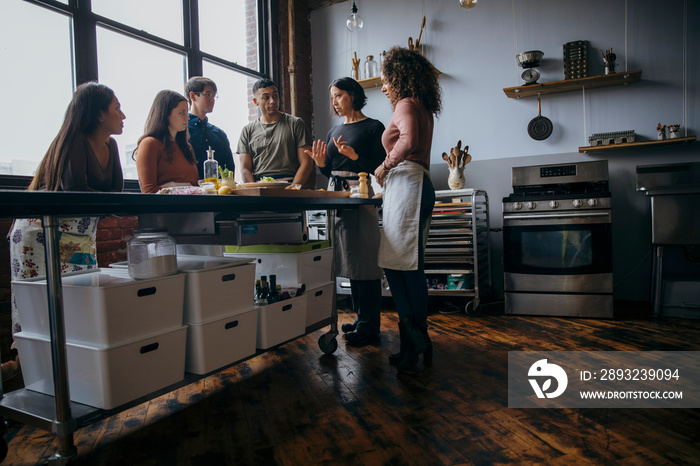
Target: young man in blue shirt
pixel 201 95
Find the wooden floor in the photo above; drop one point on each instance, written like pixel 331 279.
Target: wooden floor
pixel 296 406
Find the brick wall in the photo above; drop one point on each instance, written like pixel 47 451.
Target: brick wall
pixel 112 235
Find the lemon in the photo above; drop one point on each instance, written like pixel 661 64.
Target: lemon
pixel 225 190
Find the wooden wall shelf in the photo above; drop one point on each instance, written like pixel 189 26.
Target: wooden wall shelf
pixel 631 145
pixel 371 82
pixel 532 90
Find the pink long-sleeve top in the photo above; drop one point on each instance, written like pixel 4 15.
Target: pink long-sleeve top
pixel 409 135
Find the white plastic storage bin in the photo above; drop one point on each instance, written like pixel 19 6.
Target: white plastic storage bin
pixel 319 303
pixel 281 321
pixel 222 341
pixel 312 268
pixel 216 287
pixel 104 307
pixel 107 377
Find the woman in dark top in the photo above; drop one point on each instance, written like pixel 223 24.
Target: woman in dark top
pixel 351 148
pixel 82 157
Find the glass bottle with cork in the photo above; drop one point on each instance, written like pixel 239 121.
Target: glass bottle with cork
pixel 211 169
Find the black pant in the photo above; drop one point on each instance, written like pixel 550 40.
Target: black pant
pixel 367 302
pixel 409 288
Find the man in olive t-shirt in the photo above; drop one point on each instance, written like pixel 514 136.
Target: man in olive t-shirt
pixel 274 144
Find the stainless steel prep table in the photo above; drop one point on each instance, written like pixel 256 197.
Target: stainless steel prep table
pixel 57 413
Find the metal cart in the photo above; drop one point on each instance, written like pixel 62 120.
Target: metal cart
pixel 458 252
pixel 58 414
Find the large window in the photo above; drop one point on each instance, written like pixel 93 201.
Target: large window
pixel 137 48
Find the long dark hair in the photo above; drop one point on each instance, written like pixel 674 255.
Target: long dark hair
pixel 410 74
pixel 82 118
pixel 353 88
pixel 157 126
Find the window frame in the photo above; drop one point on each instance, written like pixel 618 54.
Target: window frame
pixel 84 44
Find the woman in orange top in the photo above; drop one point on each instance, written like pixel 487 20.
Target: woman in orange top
pixel 163 155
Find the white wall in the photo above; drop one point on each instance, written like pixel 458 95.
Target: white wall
pixel 475 50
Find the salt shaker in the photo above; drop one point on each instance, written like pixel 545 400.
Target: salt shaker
pixel 364 191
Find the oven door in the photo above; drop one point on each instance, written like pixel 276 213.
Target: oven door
pixel 558 252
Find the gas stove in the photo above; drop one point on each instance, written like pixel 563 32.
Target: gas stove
pixel 557 241
pixel 562 187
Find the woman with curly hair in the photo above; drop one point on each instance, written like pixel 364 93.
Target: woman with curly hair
pixel 163 156
pixel 410 82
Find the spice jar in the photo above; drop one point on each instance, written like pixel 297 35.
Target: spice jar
pixel 151 253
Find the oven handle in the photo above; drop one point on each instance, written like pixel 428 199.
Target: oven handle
pixel 554 216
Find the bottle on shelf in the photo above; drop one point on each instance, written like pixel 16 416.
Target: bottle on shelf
pixel 211 169
pixel 273 296
pixel 258 290
pixel 371 67
pixel 264 291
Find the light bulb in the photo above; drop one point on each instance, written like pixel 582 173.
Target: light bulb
pixel 354 22
pixel 468 3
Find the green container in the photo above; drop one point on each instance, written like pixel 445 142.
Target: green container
pixel 279 248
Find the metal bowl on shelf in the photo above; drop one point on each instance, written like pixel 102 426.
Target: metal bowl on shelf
pixel 529 59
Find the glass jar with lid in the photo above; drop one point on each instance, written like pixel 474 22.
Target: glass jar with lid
pixel 151 253
pixel 371 67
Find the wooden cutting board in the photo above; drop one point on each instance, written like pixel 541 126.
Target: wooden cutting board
pixel 280 192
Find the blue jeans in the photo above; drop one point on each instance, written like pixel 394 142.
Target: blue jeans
pixel 409 288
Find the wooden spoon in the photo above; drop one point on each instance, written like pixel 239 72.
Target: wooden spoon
pixel 420 34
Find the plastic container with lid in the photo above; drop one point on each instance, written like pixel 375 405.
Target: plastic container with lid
pixel 151 253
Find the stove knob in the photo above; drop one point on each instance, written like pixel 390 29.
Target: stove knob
pixel 553 204
pixel 593 202
pixel 578 202
pixel 517 205
pixel 531 205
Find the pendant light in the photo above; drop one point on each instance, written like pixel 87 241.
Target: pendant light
pixel 354 22
pixel 468 3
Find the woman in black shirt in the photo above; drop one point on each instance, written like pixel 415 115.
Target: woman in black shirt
pixel 350 148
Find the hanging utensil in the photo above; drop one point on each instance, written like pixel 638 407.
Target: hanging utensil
pixel 420 34
pixel 540 128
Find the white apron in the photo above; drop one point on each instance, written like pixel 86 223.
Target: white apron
pixel 398 248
